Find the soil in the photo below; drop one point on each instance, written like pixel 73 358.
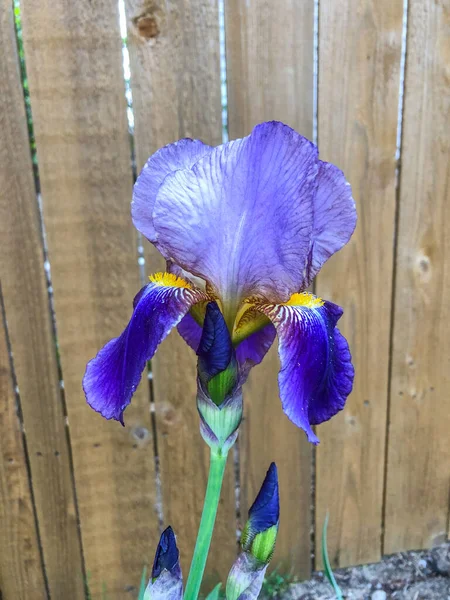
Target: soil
pixel 423 575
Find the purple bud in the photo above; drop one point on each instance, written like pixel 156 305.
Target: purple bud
pixel 166 580
pixel 261 529
pixel 215 349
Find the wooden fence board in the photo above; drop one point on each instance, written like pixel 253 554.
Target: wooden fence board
pixel 359 58
pixel 270 76
pixel 74 62
pixel 175 71
pixel 27 311
pixel 21 569
pixel 418 483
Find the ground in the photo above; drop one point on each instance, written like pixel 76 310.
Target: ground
pixel 421 575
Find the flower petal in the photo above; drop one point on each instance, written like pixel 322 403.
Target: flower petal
pixel 316 373
pixel 334 218
pixel 242 216
pixel 253 349
pixel 190 331
pixel 112 377
pixel 180 155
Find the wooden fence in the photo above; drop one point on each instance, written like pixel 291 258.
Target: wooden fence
pixel 78 495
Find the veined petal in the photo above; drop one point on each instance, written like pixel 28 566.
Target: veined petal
pixel 112 377
pixel 316 373
pixel 180 155
pixel 242 216
pixel 334 218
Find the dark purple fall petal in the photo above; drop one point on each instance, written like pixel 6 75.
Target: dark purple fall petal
pixel 242 216
pixel 112 377
pixel 316 373
pixel 334 218
pixel 180 155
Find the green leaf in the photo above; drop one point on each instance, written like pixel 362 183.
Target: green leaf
pixel 214 595
pixel 143 584
pixel 326 561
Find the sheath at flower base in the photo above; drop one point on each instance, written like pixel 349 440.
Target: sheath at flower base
pixel 247 224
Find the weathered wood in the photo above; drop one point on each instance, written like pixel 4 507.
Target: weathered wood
pixel 359 59
pixel 27 312
pixel 21 569
pixel 270 76
pixel 174 55
pixel 74 63
pixel 418 482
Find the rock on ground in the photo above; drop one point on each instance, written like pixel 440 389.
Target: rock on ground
pixel 423 575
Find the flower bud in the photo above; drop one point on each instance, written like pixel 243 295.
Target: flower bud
pixel 219 396
pixel 217 365
pixel 258 542
pixel 166 581
pixel 260 531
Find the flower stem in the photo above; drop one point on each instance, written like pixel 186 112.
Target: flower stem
pixel 217 465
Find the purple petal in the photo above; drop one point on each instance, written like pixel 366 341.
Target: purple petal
pixel 334 218
pixel 180 155
pixel 112 377
pixel 252 350
pixel 242 216
pixel 190 331
pixel 316 373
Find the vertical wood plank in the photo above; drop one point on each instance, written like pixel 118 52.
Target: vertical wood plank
pixel 359 58
pixel 26 303
pixel 21 570
pixel 418 482
pixel 74 62
pixel 269 49
pixel 175 70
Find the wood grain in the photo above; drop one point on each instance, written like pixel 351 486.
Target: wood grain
pixel 174 55
pixel 27 312
pixel 359 58
pixel 74 62
pixel 270 76
pixel 21 569
pixel 418 482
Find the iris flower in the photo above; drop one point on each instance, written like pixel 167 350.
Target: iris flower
pixel 247 225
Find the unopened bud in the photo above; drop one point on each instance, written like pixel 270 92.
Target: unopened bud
pixel 219 397
pixel 166 581
pixel 258 542
pixel 260 531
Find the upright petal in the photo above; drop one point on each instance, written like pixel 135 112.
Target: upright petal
pixel 334 218
pixel 316 373
pixel 180 155
pixel 241 217
pixel 112 377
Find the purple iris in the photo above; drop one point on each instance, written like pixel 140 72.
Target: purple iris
pixel 246 225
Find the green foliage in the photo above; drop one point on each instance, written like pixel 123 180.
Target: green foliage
pixel 326 561
pixel 276 583
pixel 216 593
pixel 26 91
pixel 143 584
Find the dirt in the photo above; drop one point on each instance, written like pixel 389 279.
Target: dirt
pixel 423 575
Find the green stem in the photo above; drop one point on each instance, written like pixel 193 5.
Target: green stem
pixel 215 478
